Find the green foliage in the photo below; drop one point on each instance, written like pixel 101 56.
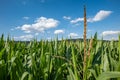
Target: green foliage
pixel 108 75
pixel 58 60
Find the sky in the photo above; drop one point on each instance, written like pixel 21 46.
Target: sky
pixel 44 19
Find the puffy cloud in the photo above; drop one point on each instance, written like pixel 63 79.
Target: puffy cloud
pixel 24 37
pixel 67 17
pixel 77 20
pixel 102 14
pixel 73 35
pixel 39 25
pixel 109 33
pixel 59 31
pixel 26 18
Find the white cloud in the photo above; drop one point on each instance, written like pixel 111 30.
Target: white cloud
pixel 102 14
pixel 77 20
pixel 24 37
pixel 109 33
pixel 26 18
pixel 59 31
pixel 67 17
pixel 26 28
pixel 73 35
pixel 39 25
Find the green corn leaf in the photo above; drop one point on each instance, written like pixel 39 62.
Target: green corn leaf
pixel 108 75
pixel 71 76
pixel 93 72
pixel 24 75
pixel 106 63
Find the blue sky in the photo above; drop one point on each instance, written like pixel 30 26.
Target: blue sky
pixel 43 19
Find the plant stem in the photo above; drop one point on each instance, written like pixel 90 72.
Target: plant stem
pixel 84 62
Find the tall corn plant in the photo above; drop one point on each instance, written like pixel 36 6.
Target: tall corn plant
pixel 106 61
pixel 85 54
pixel 59 60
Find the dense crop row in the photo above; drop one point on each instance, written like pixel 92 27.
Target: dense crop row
pixel 59 60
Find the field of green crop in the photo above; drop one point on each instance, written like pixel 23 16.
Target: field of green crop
pixel 59 60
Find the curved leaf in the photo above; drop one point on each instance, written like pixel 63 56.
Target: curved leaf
pixel 108 75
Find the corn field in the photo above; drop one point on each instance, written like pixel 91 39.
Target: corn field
pixel 59 60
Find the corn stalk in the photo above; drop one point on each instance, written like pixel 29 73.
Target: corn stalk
pixel 85 54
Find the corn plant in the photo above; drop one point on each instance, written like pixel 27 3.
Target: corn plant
pixel 59 60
